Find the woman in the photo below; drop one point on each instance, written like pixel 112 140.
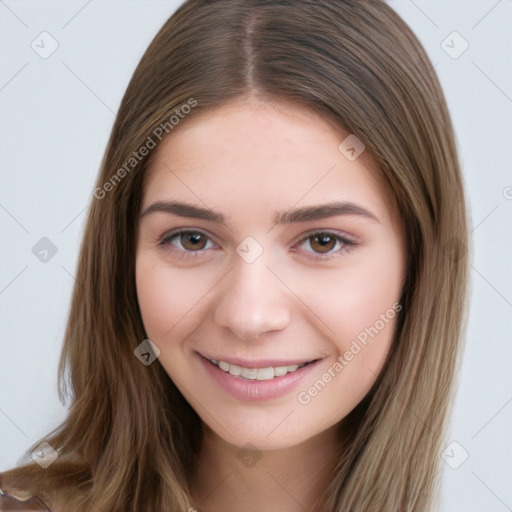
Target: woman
pixel 271 288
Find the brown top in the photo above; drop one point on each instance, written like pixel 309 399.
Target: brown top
pixel 19 503
pixel 16 493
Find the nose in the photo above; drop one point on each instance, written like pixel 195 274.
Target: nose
pixel 252 301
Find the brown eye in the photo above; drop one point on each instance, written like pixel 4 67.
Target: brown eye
pixel 193 241
pixel 322 243
pixel 187 242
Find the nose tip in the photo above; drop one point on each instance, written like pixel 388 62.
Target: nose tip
pixel 252 302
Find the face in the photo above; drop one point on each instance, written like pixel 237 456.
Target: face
pixel 269 265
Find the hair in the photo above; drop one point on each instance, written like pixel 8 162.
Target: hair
pixel 130 441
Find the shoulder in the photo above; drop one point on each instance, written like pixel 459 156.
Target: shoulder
pixel 16 498
pixel 21 502
pixel 60 487
pixel 31 488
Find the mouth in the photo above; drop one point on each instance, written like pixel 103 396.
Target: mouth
pixel 262 373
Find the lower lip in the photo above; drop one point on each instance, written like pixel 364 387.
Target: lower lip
pixel 256 390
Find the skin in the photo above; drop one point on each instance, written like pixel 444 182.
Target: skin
pixel 248 160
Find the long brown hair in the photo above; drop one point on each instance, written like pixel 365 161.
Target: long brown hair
pixel 130 441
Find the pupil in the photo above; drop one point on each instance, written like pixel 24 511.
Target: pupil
pixel 193 241
pixel 326 243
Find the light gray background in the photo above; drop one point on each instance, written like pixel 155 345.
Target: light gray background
pixel 56 115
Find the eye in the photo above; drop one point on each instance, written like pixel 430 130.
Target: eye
pixel 319 244
pixel 190 241
pixel 324 244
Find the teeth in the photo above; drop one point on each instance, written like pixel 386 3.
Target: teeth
pixel 265 373
pixel 256 373
pixel 280 370
pixel 249 373
pixel 235 370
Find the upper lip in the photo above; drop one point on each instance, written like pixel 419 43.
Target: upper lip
pixel 260 363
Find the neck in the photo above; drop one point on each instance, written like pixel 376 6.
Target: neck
pixel 289 480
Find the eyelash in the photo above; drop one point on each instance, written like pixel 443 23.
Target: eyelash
pixel 347 244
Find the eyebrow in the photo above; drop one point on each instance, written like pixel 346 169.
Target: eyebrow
pixel 305 214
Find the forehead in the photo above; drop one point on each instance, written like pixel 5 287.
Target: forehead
pixel 258 154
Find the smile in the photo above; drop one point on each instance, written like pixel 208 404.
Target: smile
pixel 266 373
pixel 257 380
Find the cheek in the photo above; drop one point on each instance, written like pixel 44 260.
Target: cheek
pixel 356 310
pixel 352 298
pixel 367 311
pixel 166 298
